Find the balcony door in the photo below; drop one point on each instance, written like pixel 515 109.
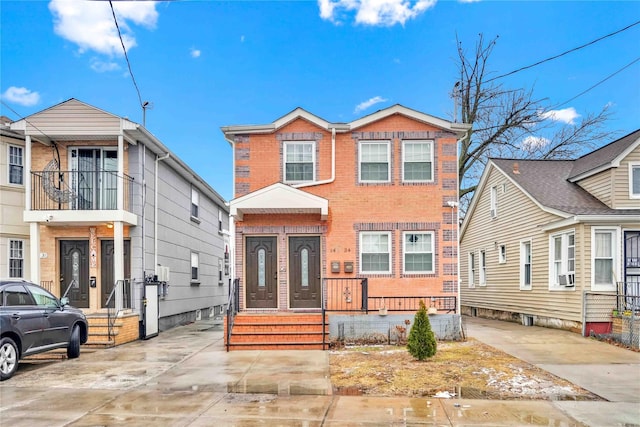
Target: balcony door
pixel 94 177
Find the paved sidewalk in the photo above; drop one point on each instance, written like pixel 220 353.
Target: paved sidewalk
pixel 184 377
pixel 610 372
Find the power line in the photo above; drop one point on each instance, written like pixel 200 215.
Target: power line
pixel 124 49
pixel 597 84
pixel 23 118
pixel 564 53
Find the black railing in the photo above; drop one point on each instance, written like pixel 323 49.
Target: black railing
pixel 628 296
pixel 232 308
pixel 112 314
pixel 79 190
pixel 447 304
pixel 345 294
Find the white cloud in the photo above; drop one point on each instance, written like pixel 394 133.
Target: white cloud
pixel 568 115
pixel 102 66
pixel 21 96
pixel 366 104
pixel 195 53
pixel 242 39
pixel 532 143
pixel 374 12
pixel 90 24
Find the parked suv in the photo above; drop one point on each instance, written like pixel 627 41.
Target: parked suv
pixel 34 321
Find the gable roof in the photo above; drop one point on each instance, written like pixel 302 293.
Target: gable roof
pixel 458 128
pixel 605 157
pixel 279 198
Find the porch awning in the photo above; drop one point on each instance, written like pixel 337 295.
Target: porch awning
pixel 279 199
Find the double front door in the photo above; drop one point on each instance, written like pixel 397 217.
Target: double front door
pixel 262 272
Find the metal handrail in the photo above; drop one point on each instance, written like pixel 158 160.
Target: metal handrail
pixel 232 308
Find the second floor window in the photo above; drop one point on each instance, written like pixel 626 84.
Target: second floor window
pixel 299 161
pixel 494 202
pixel 374 162
pixel 417 161
pixel 634 180
pixel 195 200
pixel 375 252
pixel 16 165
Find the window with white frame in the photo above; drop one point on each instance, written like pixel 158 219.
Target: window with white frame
pixel 604 249
pixel 375 252
pixel 634 180
pixel 418 252
pixel 472 269
pixel 502 254
pixel 494 202
pixel 417 161
pixel 374 160
pixel 483 268
pixel 195 264
pixel 299 161
pixel 525 264
pixel 563 261
pixel 16 258
pixel 195 200
pixel 16 165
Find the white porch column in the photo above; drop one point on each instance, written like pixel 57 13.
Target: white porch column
pixel 27 173
pixel 34 255
pixel 118 261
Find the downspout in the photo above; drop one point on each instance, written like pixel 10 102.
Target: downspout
pixel 333 165
pixel 459 304
pixel 155 214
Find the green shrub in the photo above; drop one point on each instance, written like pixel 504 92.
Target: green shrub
pixel 422 342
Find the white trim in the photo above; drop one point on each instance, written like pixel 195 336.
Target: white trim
pixel 564 258
pixel 9 164
pixel 523 242
pixel 615 254
pixel 284 161
pixel 612 164
pixel 9 258
pixel 378 142
pixel 471 269
pixel 482 268
pixel 633 165
pixel 389 251
pixel 493 205
pixel 430 143
pixel 431 234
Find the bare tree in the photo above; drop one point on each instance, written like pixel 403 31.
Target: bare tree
pixel 511 123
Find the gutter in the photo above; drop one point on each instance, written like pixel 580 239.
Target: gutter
pixel 333 165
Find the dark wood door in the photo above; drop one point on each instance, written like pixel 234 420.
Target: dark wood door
pixel 74 271
pixel 304 272
pixel 107 280
pixel 262 272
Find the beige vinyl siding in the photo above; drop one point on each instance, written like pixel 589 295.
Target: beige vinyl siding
pixel 621 199
pixel 600 185
pixel 73 118
pixel 518 218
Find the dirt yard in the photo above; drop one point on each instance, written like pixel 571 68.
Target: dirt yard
pixel 468 369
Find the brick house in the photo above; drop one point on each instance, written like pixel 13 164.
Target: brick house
pixel 118 223
pixel 320 206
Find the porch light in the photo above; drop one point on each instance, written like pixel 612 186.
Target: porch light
pixel 109 225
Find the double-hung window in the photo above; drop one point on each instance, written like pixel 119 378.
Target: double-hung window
pixel 418 252
pixel 563 249
pixel 417 161
pixel 195 201
pixel 16 165
pixel 472 269
pixel 195 264
pixel 16 258
pixel 525 264
pixel 375 161
pixel 634 180
pixel 299 161
pixel 483 268
pixel 604 249
pixel 375 252
pixel 494 202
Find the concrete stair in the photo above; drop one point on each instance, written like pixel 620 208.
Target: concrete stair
pixel 276 331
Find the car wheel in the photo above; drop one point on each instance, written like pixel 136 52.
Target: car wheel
pixel 73 350
pixel 8 358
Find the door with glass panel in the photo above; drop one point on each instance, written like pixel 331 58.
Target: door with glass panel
pixel 261 274
pixel 74 271
pixel 304 272
pixel 94 178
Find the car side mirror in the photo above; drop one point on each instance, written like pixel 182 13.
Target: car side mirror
pixel 64 301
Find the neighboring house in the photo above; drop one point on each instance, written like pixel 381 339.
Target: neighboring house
pixel 14 232
pixel 551 242
pixel 107 203
pixel 320 205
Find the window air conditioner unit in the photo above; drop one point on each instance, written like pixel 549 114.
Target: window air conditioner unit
pixel 566 280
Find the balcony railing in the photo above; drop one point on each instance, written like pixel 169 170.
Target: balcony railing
pixel 79 190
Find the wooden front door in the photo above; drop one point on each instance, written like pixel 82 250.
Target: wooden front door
pixel 304 272
pixel 74 271
pixel 261 258
pixel 107 280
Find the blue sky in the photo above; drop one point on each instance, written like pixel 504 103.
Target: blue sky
pixel 207 64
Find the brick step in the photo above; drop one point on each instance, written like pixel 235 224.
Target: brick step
pixel 245 327
pixel 277 346
pixel 275 338
pixel 92 344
